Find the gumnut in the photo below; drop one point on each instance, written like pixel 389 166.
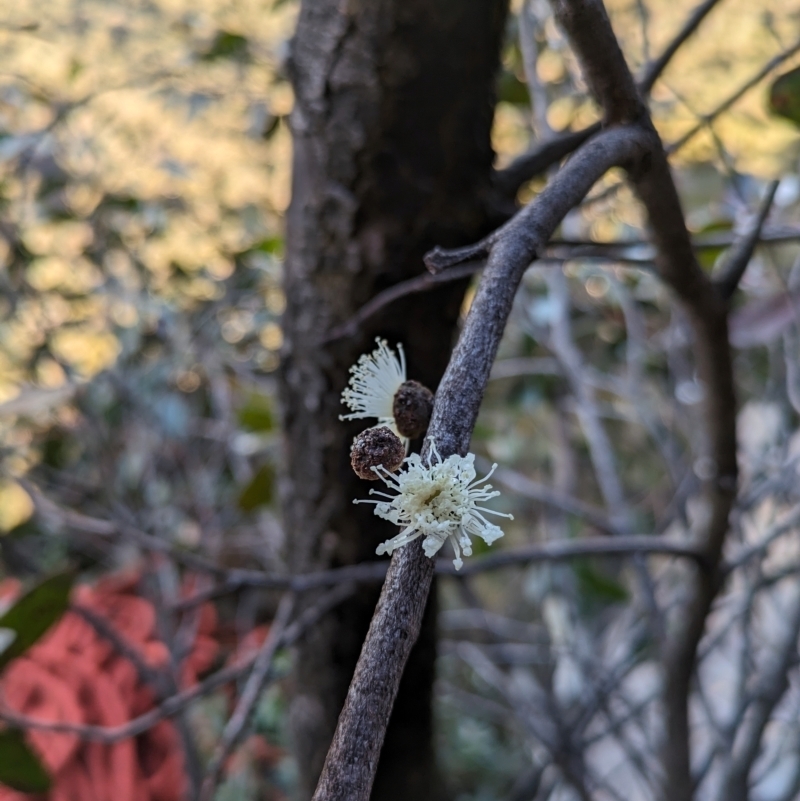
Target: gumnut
pixel 412 407
pixel 376 447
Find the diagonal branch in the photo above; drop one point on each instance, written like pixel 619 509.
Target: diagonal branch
pixel 250 695
pixel 655 69
pixel 177 703
pixel 707 119
pixel 739 257
pixel 539 159
pixel 589 30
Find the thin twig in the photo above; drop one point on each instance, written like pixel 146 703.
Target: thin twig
pixel 742 251
pixel 655 69
pixel 561 550
pixel 707 119
pixel 420 283
pixel 101 624
pixel 249 697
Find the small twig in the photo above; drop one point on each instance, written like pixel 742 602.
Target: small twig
pixel 537 92
pixel 122 645
pixel 528 488
pixel 562 550
pixel 654 70
pixel 249 697
pixel 420 283
pixel 742 251
pixel 773 682
pixel 706 119
pixel 538 159
pixel 778 529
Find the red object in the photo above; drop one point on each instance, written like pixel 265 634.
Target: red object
pixel 75 675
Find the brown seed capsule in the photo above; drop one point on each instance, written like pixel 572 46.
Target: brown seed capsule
pixel 376 447
pixel 412 407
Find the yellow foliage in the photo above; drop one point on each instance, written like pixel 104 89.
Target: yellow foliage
pixel 85 350
pixel 16 506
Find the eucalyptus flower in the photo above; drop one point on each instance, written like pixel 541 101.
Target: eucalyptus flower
pixel 437 501
pixel 378 388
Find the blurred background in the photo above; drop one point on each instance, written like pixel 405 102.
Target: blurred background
pixel 145 159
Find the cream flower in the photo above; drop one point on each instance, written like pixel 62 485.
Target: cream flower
pixel 437 501
pixel 375 379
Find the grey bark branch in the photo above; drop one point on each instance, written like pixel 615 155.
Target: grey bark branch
pixel 655 69
pixel 734 267
pixel 350 766
pixel 250 694
pixel 722 107
pixel 589 30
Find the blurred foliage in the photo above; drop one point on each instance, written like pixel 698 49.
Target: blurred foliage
pixel 20 768
pixel 33 614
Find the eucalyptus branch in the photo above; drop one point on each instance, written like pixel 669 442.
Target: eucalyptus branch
pixel 250 695
pixel 655 69
pixel 353 756
pixel 734 267
pixel 722 107
pixel 589 30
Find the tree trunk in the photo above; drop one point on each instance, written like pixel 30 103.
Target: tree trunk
pixel 392 155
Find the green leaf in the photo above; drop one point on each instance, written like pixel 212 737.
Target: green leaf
pixel 784 96
pixel 273 245
pixel 511 89
pixel 708 256
pixel 256 414
pixel 20 768
pixel 34 613
pixel 227 45
pixel 259 491
pixel 597 586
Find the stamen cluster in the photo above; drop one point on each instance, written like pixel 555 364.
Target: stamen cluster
pixel 437 501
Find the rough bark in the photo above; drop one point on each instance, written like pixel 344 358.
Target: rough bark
pixel 391 156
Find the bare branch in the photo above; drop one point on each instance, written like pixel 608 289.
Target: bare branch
pixel 735 265
pixel 528 488
pixel 420 283
pixel 249 697
pixel 707 119
pixel 147 674
pixel 587 26
pixel 539 159
pixel 561 550
pixel 604 69
pixel 772 684
pixel 654 70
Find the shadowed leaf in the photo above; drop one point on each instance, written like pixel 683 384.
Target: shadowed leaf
pixel 34 613
pixel 784 96
pixel 20 768
pixel 260 489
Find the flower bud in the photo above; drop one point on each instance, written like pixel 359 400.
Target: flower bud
pixel 376 447
pixel 412 407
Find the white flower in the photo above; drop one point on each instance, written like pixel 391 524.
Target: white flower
pixel 375 379
pixel 437 501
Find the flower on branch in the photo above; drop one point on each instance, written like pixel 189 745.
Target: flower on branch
pixel 374 381
pixel 378 388
pixel 437 501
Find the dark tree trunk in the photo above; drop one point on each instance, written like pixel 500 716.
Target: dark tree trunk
pixel 392 155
